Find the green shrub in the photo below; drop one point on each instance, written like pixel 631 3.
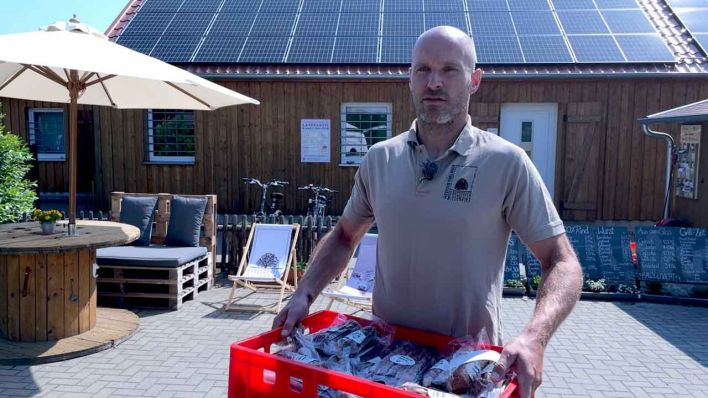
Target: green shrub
pixel 513 283
pixel 594 286
pixel 535 282
pixel 17 193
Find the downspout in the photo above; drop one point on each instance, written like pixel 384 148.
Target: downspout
pixel 669 162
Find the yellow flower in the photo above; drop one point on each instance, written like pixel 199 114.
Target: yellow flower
pixel 47 218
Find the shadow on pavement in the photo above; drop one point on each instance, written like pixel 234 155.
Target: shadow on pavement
pixel 684 327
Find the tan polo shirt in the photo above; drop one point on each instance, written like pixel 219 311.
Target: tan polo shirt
pixel 442 242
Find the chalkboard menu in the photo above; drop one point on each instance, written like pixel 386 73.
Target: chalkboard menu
pixel 511 266
pixel 672 254
pixel 603 252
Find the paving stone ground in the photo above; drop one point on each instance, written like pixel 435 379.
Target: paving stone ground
pixel 604 349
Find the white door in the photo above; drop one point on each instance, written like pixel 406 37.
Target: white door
pixel 533 128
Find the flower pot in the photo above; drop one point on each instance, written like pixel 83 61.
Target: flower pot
pixel 47 227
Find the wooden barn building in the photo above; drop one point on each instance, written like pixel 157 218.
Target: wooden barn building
pixel 565 79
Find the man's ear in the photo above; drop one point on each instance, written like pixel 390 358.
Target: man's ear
pixel 476 80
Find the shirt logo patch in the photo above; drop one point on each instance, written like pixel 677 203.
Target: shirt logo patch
pixel 460 182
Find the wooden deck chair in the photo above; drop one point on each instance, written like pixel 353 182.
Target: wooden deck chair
pixel 268 258
pixel 356 289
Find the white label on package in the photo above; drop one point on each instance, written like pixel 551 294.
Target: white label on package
pixel 481 355
pixel 404 360
pixel 443 364
pixel 358 337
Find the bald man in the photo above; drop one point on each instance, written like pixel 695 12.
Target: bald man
pixel 445 197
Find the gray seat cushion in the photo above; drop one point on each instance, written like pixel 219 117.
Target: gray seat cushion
pixel 186 216
pixel 148 256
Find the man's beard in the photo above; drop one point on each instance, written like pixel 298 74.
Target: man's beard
pixel 457 106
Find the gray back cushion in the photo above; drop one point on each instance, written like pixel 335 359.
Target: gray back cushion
pixel 186 216
pixel 139 211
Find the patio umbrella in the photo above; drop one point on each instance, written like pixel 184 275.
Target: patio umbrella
pixel 72 62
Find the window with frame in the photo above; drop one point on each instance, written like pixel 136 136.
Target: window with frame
pixel 46 133
pixel 170 136
pixel 362 125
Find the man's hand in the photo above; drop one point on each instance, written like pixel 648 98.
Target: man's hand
pixel 524 356
pixel 294 311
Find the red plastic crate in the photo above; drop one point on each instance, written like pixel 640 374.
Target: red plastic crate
pixel 250 361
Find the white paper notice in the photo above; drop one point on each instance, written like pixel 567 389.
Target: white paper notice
pixel 314 141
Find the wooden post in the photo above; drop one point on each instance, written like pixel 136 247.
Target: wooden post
pixel 74 87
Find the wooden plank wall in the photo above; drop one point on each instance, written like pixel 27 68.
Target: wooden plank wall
pixel 263 141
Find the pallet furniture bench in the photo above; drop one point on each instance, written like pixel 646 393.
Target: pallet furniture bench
pixel 158 275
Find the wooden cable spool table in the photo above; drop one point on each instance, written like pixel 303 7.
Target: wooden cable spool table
pixel 47 282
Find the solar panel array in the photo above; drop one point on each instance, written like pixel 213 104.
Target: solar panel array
pixel 693 14
pixel 384 31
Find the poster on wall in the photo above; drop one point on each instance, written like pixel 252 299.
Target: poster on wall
pixel 314 141
pixel 688 162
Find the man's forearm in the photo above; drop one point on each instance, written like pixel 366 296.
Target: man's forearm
pixel 558 292
pixel 329 259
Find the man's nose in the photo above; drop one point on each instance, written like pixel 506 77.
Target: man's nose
pixel 435 80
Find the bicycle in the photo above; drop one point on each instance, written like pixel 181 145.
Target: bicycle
pixel 321 198
pixel 275 197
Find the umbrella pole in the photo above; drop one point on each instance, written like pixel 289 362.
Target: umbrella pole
pixel 74 87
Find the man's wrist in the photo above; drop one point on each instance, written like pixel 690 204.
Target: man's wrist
pixel 305 294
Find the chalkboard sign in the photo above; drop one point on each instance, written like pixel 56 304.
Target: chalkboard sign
pixel 672 254
pixel 603 252
pixel 511 266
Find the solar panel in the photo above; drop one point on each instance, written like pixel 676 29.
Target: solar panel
pixel 200 6
pixel 273 24
pixel 264 49
pixel 232 24
pixel 160 5
pixel 535 23
pixel 573 5
pixel 614 4
pixel 582 22
pixel 240 6
pixel 320 5
pixel 628 21
pixel 279 6
pixel 595 48
pixel 492 23
pixel 349 50
pixel 358 24
pixel 397 50
pixel 175 48
pixel 403 24
pixel 687 3
pixel 644 48
pixel 443 5
pixel 361 6
pixel 403 6
pixel 317 50
pixel 487 5
pixel 189 24
pixel 695 20
pixel 148 24
pixel 141 44
pixel 449 19
pixel 317 24
pixel 702 40
pixel 220 49
pixel 545 49
pixel 528 5
pixel 498 49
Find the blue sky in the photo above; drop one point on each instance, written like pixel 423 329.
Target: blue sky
pixel 28 15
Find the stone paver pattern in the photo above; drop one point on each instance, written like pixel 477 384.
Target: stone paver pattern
pixel 603 349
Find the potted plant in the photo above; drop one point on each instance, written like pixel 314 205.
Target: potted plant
pixel 298 270
pixel 514 287
pixel 47 219
pixel 600 289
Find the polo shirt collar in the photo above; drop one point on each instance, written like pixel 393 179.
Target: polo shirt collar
pixel 461 145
